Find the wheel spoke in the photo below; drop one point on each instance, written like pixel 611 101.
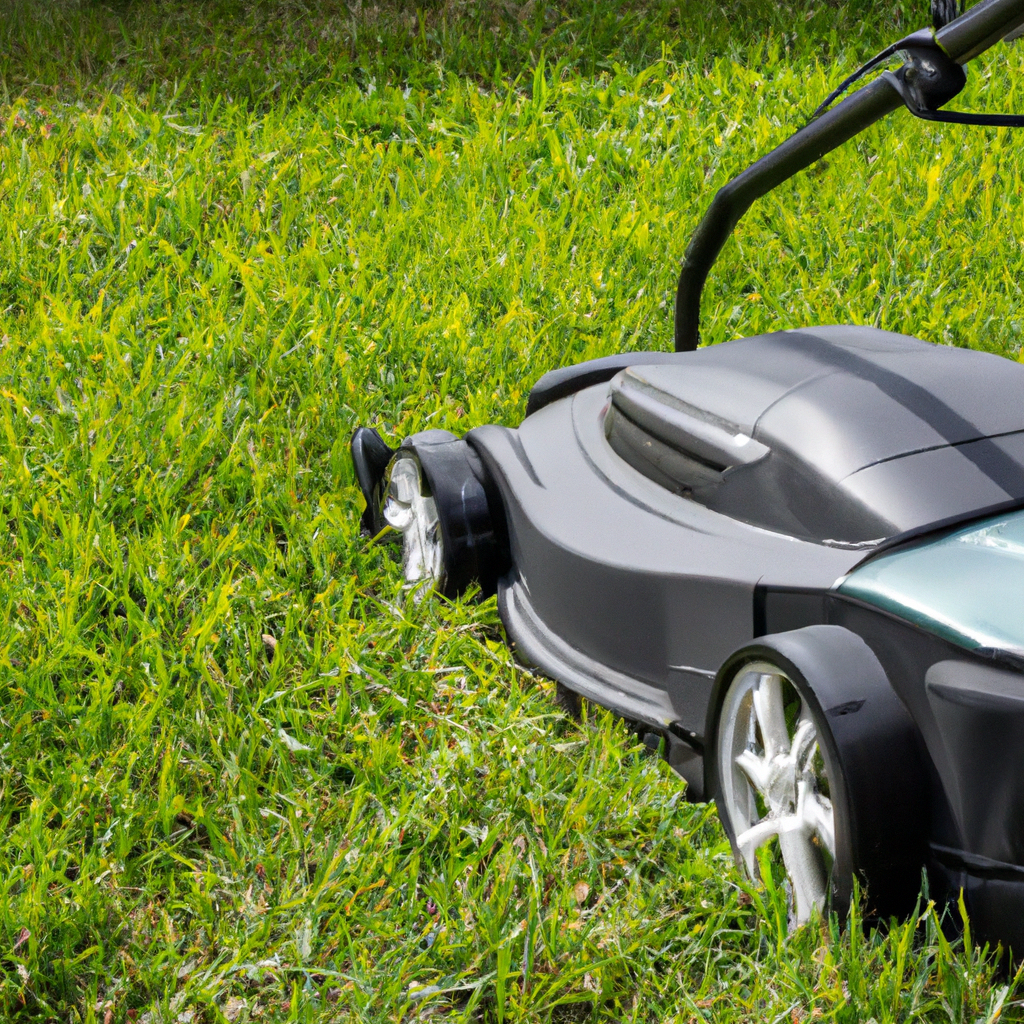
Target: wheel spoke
pixel 756 769
pixel 815 811
pixel 755 837
pixel 771 715
pixel 805 870
pixel 805 740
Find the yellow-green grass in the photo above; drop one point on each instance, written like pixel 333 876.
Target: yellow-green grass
pixel 242 775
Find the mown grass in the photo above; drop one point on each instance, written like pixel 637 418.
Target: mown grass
pixel 242 775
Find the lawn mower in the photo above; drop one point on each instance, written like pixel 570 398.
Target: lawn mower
pixel 793 562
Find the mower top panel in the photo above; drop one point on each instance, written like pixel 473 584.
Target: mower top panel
pixel 848 434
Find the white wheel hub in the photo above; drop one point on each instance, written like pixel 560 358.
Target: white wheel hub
pixel 774 785
pixel 412 511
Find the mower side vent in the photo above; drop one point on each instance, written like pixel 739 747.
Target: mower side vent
pixel 676 444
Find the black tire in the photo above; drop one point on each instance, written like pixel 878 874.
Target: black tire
pixel 866 770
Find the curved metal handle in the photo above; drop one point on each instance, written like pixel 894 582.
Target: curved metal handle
pixel 962 40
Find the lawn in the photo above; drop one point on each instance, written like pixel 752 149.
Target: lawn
pixel 243 775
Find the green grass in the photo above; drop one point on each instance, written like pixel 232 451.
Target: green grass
pixel 242 775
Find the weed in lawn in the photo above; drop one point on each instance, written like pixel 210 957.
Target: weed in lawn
pixel 242 775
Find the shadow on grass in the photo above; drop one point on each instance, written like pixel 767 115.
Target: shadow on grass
pixel 261 51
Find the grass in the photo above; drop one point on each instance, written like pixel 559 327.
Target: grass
pixel 242 775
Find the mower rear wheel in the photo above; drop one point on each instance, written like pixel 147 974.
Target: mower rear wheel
pixel 815 765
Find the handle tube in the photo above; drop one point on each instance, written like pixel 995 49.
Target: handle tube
pixel 980 28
